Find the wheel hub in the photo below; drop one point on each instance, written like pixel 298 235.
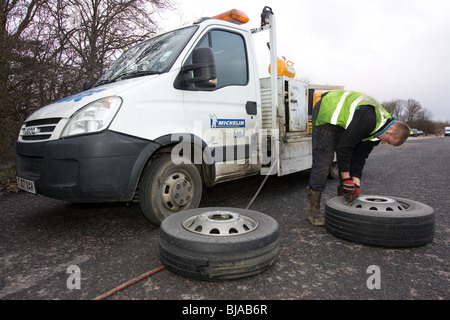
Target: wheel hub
pixel 220 223
pixel 379 203
pixel 177 191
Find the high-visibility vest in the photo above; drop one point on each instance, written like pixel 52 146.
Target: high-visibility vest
pixel 338 108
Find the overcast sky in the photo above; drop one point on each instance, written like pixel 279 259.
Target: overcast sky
pixel 389 49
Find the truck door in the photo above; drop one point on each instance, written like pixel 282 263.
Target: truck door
pixel 226 116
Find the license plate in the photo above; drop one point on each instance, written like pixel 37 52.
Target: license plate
pixel 27 185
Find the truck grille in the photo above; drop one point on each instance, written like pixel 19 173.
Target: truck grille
pixel 39 130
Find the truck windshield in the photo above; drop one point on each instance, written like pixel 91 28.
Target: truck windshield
pixel 153 56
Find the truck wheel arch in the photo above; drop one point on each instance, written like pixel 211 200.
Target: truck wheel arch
pixel 139 165
pixel 165 144
pixel 165 186
pixel 206 168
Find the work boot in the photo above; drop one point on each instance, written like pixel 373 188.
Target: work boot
pixel 313 214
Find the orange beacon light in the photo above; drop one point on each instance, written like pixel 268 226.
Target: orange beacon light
pixel 234 15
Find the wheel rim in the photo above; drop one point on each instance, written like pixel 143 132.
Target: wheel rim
pixel 220 223
pixel 379 203
pixel 177 191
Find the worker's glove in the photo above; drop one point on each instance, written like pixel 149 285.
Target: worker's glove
pixel 351 190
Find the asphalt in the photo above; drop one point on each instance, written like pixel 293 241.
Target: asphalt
pixel 113 244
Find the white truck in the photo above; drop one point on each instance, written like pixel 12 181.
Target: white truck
pixel 183 110
pixel 447 131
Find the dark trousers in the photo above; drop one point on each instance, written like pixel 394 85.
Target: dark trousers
pixel 324 141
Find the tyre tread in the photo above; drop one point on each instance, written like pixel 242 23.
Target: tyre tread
pixel 416 228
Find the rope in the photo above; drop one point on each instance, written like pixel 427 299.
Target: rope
pixel 129 283
pixel 265 179
pixel 262 185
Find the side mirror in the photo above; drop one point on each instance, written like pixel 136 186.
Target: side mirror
pixel 87 85
pixel 202 71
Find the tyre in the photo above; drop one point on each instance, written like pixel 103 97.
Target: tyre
pixel 381 221
pixel 167 188
pixel 218 243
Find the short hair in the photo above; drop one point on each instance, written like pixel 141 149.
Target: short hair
pixel 402 132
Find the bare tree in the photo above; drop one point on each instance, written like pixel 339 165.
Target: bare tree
pixel 440 127
pixel 95 30
pixel 411 112
pixel 412 109
pixel 395 108
pixel 422 121
pixel 49 47
pixel 19 43
pixel 15 18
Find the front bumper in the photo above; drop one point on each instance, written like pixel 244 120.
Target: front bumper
pixel 100 167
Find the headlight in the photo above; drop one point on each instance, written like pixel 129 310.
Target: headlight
pixel 94 117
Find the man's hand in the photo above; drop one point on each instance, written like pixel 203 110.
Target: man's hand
pixel 351 190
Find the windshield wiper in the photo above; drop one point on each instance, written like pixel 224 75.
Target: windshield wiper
pixel 129 75
pixel 136 74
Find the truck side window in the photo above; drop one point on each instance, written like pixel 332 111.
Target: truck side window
pixel 230 55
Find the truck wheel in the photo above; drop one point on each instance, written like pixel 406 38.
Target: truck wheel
pixel 218 243
pixel 167 188
pixel 381 221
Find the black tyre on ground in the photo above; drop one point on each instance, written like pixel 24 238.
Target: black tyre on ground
pixel 218 243
pixel 167 188
pixel 381 221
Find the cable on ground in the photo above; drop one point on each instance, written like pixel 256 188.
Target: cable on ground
pixel 129 283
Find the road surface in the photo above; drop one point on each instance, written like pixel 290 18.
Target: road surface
pixel 52 249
